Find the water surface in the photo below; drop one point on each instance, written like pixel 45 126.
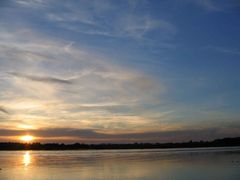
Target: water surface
pixel 167 164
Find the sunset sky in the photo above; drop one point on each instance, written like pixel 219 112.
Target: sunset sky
pixel 119 71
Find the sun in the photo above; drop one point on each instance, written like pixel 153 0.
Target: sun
pixel 27 138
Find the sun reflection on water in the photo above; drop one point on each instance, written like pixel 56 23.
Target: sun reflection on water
pixel 27 159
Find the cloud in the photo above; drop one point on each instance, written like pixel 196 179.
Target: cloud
pixel 139 26
pixel 217 5
pixel 3 110
pixel 92 18
pixel 31 3
pixel 208 4
pixel 231 51
pixel 41 79
pixel 92 136
pixel 46 83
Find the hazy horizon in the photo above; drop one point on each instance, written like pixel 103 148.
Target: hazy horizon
pixel 119 71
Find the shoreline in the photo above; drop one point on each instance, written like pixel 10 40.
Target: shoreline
pixel 225 142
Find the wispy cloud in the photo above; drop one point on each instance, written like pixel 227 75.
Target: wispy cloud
pixel 56 82
pixel 139 26
pixel 3 110
pixel 216 5
pixel 41 78
pixel 93 19
pixel 92 136
pixel 31 3
pixel 208 4
pixel 231 51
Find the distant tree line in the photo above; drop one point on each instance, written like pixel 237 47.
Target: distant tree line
pixel 79 146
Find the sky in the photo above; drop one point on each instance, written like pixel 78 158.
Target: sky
pixel 119 71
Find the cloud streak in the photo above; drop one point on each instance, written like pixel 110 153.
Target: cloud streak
pixel 92 136
pixel 217 5
pixel 3 110
pixel 125 23
pixel 41 78
pixel 225 50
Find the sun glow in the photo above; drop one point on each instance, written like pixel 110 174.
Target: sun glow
pixel 27 138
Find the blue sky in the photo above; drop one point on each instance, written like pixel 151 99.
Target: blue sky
pixel 119 71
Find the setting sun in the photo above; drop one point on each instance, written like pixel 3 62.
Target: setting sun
pixel 27 138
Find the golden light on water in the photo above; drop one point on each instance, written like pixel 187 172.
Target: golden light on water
pixel 27 138
pixel 26 158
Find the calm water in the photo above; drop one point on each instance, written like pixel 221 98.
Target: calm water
pixel 207 163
